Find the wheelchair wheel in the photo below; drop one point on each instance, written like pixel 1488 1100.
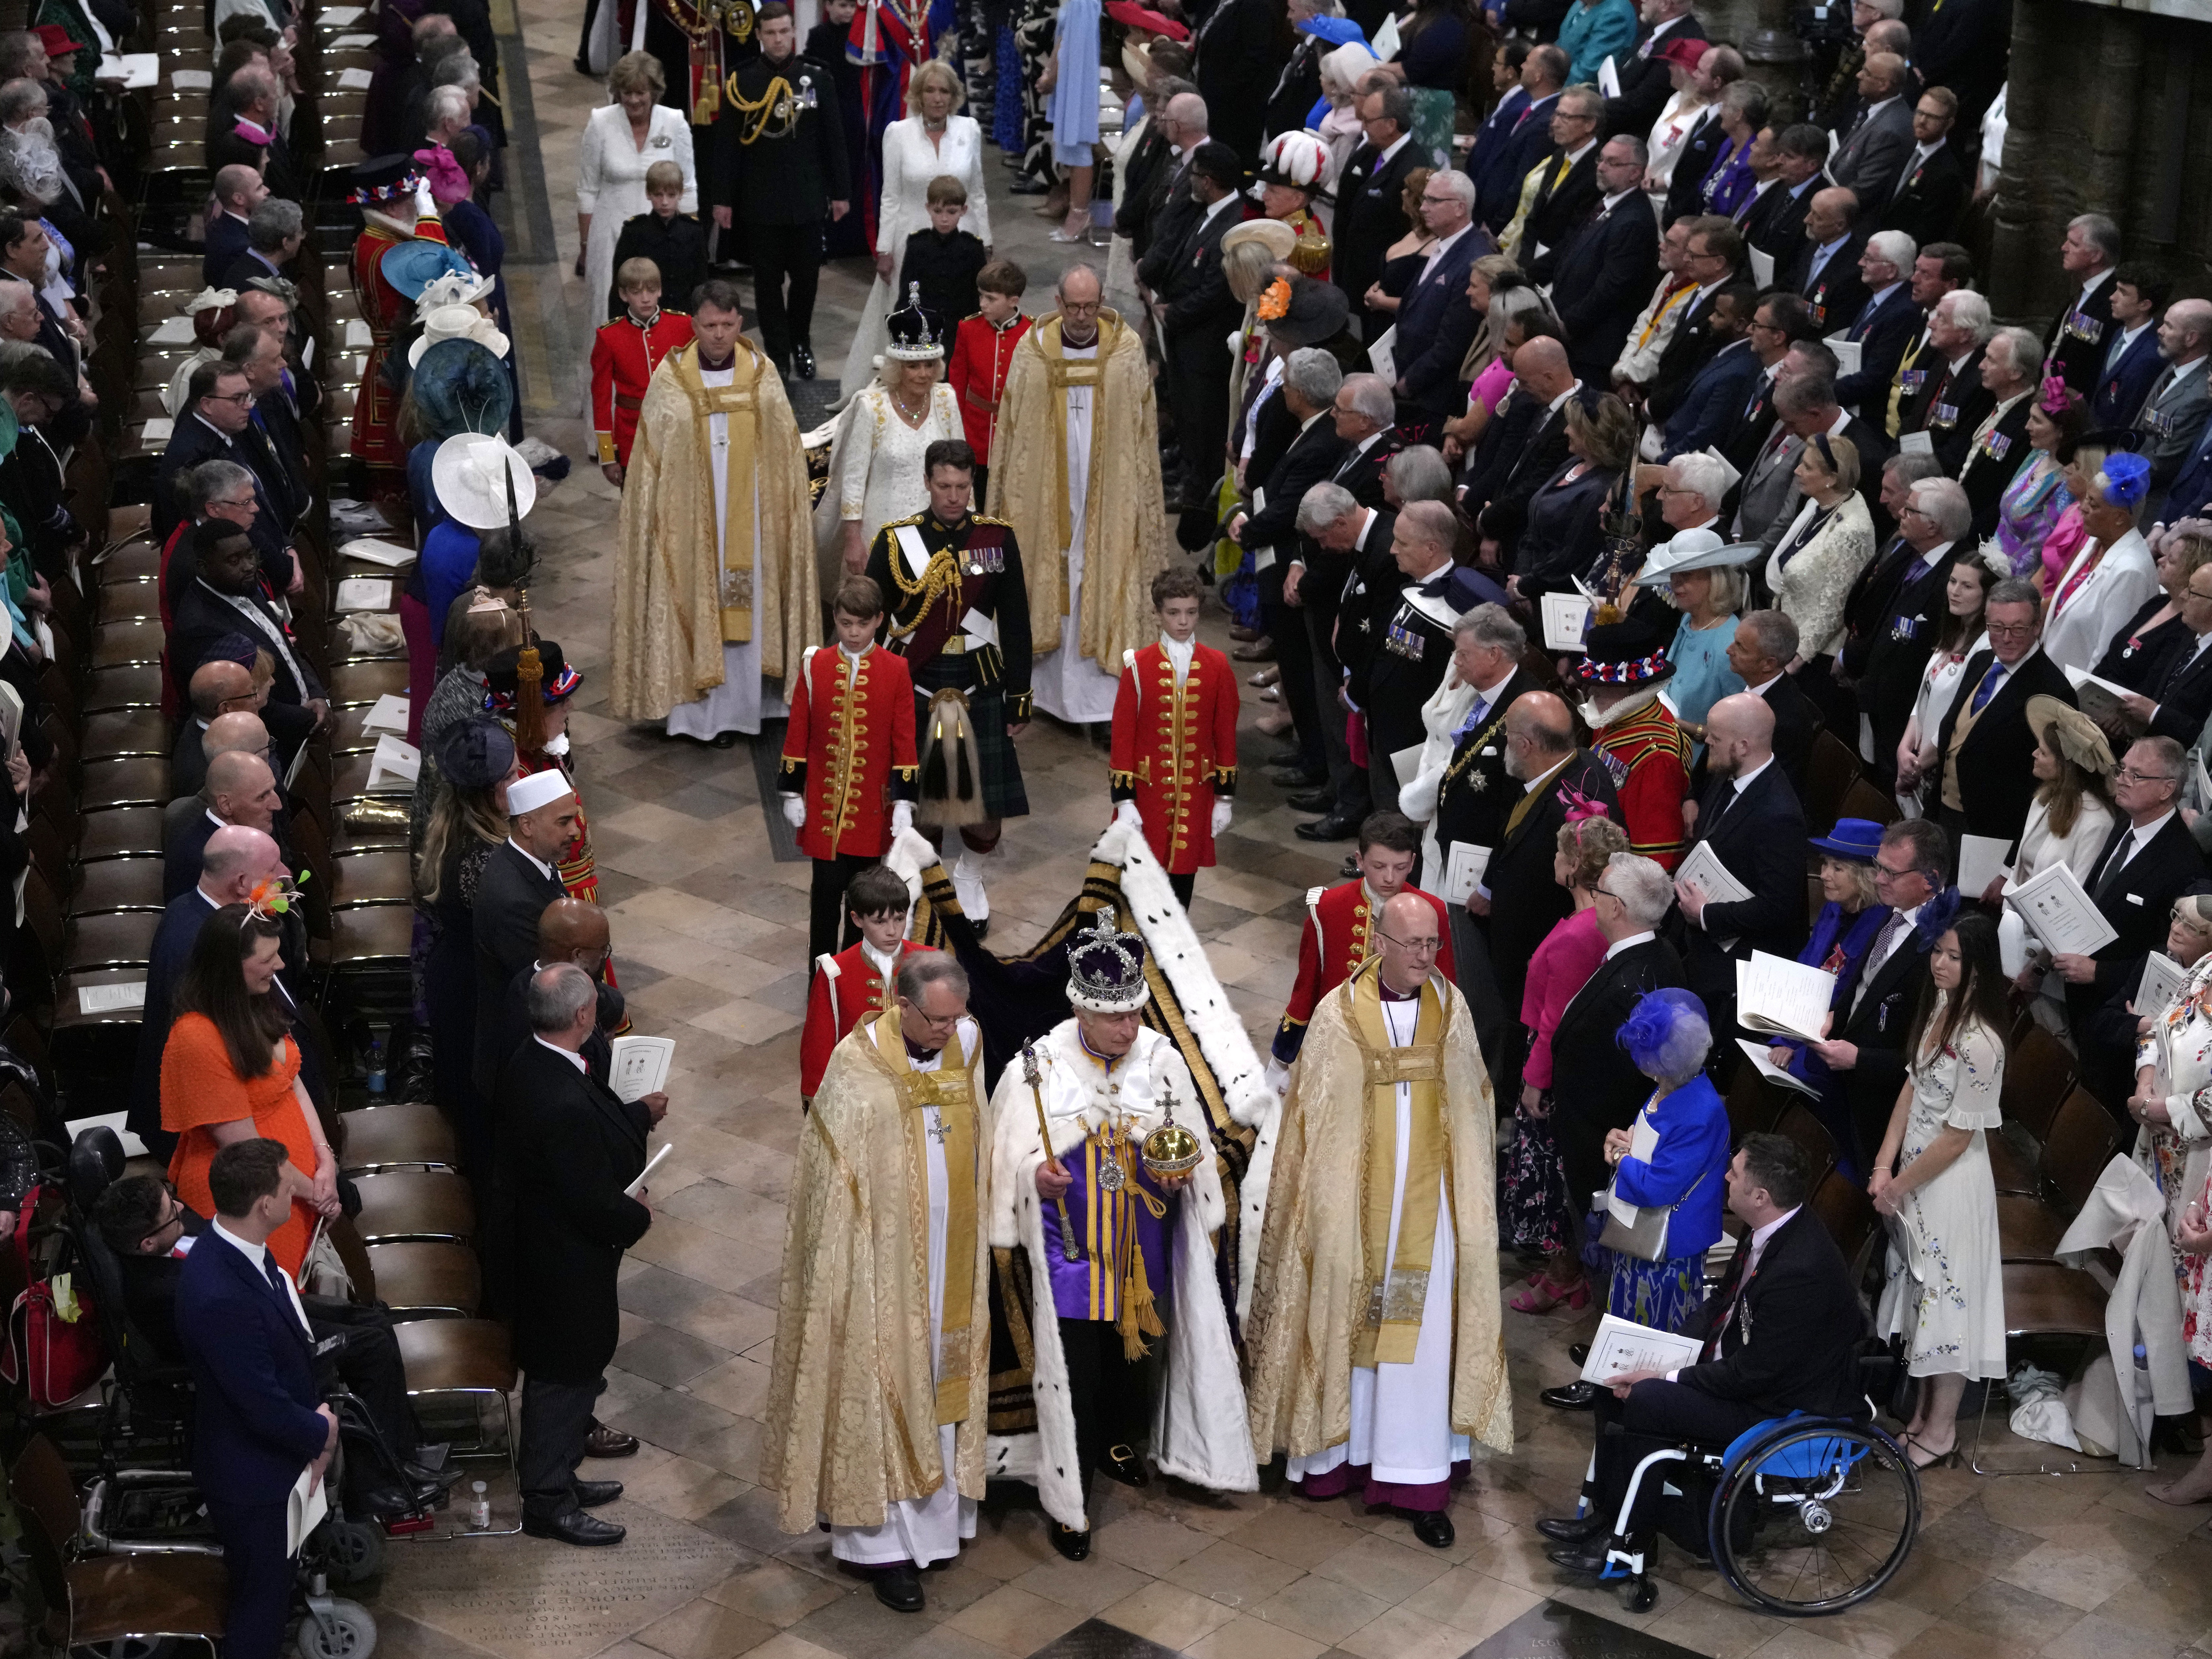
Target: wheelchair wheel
pixel 355 1550
pixel 346 1631
pixel 1815 1517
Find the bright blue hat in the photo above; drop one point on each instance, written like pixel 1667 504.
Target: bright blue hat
pixel 2125 479
pixel 1851 838
pixel 412 266
pixel 1337 31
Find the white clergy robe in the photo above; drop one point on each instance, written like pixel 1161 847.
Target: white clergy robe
pixel 1068 684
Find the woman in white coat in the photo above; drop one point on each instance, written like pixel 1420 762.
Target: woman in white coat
pixel 2067 824
pixel 621 141
pixel 1811 570
pixel 2173 1099
pixel 2108 579
pixel 876 472
pixel 931 141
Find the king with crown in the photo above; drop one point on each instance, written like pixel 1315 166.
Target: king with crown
pixel 1104 1205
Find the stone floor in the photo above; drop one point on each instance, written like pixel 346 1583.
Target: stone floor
pixel 710 944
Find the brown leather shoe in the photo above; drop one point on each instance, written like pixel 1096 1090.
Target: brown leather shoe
pixel 604 1441
pixel 1242 634
pixel 1257 651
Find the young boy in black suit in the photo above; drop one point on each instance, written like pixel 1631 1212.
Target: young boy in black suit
pixel 675 242
pixel 945 260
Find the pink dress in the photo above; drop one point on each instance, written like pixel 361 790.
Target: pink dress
pixel 2060 546
pixel 1491 386
pixel 1562 966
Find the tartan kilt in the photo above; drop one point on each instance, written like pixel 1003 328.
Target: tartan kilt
pixel 1002 793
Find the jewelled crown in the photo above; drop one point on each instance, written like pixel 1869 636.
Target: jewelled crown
pixel 1106 969
pixel 914 339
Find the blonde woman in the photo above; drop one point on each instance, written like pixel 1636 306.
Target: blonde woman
pixel 875 464
pixel 1819 556
pixel 621 142
pixel 933 139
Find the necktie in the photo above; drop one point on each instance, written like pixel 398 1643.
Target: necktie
pixel 2122 849
pixel 1474 717
pixel 1882 943
pixel 1557 174
pixel 1865 316
pixel 1758 391
pixel 1988 688
pixel 2112 352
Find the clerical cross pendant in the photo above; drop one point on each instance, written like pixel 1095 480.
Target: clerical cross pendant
pixel 939 1130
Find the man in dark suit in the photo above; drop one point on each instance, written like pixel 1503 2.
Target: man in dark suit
pixel 1871 158
pixel 1515 136
pixel 218 409
pixel 2174 413
pixel 1600 278
pixel 1715 71
pixel 1931 191
pixel 1781 1335
pixel 238 189
pixel 1411 647
pixel 2074 349
pixel 1311 379
pixel 573 930
pixel 1710 255
pixel 2149 860
pixel 1883 326
pixel 1777 322
pixel 519 881
pixel 1436 324
pixel 1774 222
pixel 1197 311
pixel 1645 85
pixel 2191 494
pixel 241 789
pixel 253 137
pixel 273 236
pixel 1948 400
pixel 1240 49
pixel 1164 214
pixel 221 685
pixel 1750 818
pixel 1708 406
pixel 1518 906
pixel 1370 210
pixel 260 1421
pixel 1564 194
pixel 1994 452
pixel 1542 371
pixel 2131 360
pixel 1825 272
pixel 225 599
pixel 573 1148
pixel 284 481
pixel 1985 748
pixel 1893 625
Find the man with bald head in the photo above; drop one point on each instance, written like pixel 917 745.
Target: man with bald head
pixel 217 687
pixel 2173 416
pixel 239 789
pixel 1751 820
pixel 1871 159
pixel 238 189
pixel 1499 494
pixel 572 930
pixel 1825 272
pixel 234 860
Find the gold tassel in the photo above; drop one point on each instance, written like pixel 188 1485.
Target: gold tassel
pixel 529 701
pixel 1140 1318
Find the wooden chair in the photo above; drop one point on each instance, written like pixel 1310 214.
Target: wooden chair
pixel 434 1205
pixel 406 1135
pixel 428 1280
pixel 1753 1104
pixel 1867 800
pixel 1830 771
pixel 2082 1139
pixel 468 1357
pixel 2043 1300
pixel 1812 1139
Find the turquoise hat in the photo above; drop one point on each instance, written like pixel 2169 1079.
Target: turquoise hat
pixel 411 266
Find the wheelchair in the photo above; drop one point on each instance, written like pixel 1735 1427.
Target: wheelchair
pixel 1808 1516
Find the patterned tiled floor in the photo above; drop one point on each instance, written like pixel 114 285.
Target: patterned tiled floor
pixel 710 943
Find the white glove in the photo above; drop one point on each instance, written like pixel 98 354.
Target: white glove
pixel 902 818
pixel 1279 1076
pixel 1126 812
pixel 1223 811
pixel 794 810
pixel 1418 799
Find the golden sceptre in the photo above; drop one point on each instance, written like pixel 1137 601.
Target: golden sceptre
pixel 1034 1080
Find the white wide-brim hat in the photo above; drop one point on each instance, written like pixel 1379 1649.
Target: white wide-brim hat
pixel 1694 550
pixel 453 288
pixel 458 323
pixel 465 473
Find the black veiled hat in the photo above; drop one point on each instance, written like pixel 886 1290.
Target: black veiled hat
pixel 474 753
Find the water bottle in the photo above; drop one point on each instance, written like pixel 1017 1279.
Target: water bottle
pixel 479 1507
pixel 376 1065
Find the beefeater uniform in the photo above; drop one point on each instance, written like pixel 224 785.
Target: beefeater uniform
pixel 1649 756
pixel 1174 750
pixel 386 310
pixel 624 354
pixel 1338 936
pixel 848 987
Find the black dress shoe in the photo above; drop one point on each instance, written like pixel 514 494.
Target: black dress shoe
pixel 390 1503
pixel 1072 1544
pixel 725 740
pixel 1586 1558
pixel 1578 1352
pixel 431 1456
pixel 802 362
pixel 899 1588
pixel 1331 827
pixel 1299 777
pixel 1571 1529
pixel 591 1494
pixel 585 1531
pixel 604 1441
pixel 1313 800
pixel 1122 1463
pixel 1577 1396
pixel 1434 1528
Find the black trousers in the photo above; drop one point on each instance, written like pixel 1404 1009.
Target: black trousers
pixel 1347 782
pixel 367 1362
pixel 557 1419
pixel 1655 1415
pixel 260 1572
pixel 783 254
pixel 1182 887
pixel 829 929
pixel 1110 1395
pixel 1478 984
pixel 1285 625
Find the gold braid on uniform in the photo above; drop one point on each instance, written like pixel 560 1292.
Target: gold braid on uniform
pixel 776 103
pixel 941 580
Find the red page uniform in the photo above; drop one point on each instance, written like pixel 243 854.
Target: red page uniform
pixel 1175 748
pixel 624 354
pixel 1339 936
pixel 848 987
pixel 982 352
pixel 848 751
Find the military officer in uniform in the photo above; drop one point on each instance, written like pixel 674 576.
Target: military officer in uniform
pixel 958 612
pixel 1292 169
pixel 779 170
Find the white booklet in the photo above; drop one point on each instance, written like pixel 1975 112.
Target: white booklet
pixel 1405 764
pixel 1773 994
pixel 389 715
pixel 1905 1237
pixel 1386 40
pixel 1848 353
pixel 1756 1053
pixel 1704 867
pixel 185 80
pixel 305 1509
pixel 1981 862
pixel 2060 913
pixel 172 330
pixel 354 80
pixel 1566 618
pixel 137 71
pixel 2099 699
pixel 1621 1346
pixel 2161 977
pixel 1643 1141
pixel 640 1066
pixel 2199 784
pixel 1383 356
pixel 156 431
pixel 651 1164
pixel 338 17
pixel 1608 77
pixel 369 549
pixel 1762 266
pixel 393 767
pixel 111 998
pixel 365 594
pixel 1464 866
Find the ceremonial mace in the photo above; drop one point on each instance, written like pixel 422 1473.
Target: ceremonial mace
pixel 1031 1076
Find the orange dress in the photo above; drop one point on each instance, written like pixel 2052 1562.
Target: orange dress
pixel 201 1088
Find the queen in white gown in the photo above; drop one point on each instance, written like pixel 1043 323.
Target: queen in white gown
pixel 931 141
pixel 621 141
pixel 876 475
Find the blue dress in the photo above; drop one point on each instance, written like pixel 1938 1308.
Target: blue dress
pixel 1073 104
pixel 1688 1173
pixel 1701 674
pixel 1839 945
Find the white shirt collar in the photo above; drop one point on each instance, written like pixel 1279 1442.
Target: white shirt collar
pixel 2143 834
pixel 1630 942
pixel 1760 1236
pixel 213 428
pixel 1559 402
pixel 1759 690
pixel 1443 243
pixel 1874 110
pixel 1827 249
pixel 1575 156
pixel 536 864
pixel 1928 559
pixel 1743 781
pixel 2181 371
pixel 1214 211
pixel 1369 440
pixel 1487 695
pixel 1616 198
pixel 1367 525
pixel 2128 335
pixel 1882 294
pixel 568 1054
pixel 258 1255
pixel 2093 285
pixel 1396 145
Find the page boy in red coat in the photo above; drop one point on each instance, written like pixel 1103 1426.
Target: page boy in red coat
pixel 855 984
pixel 624 354
pixel 1174 760
pixel 982 351
pixel 849 772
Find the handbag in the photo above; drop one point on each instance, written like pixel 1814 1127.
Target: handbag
pixel 1644 1238
pixel 53 1349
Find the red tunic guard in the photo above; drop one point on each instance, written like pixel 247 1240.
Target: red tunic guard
pixel 1649 756
pixel 624 354
pixel 1339 925
pixel 848 751
pixel 982 352
pixel 847 989
pixel 1174 750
